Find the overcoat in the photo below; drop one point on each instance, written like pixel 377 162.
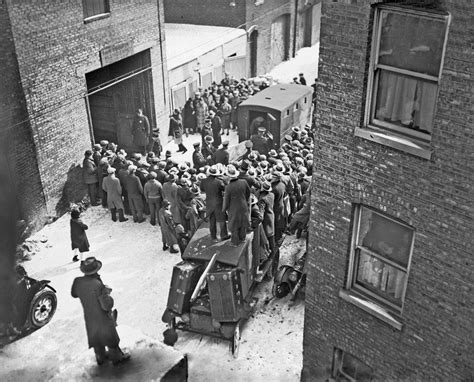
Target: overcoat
pixel 89 171
pixel 236 203
pixel 78 235
pixel 111 185
pixel 184 197
pixel 176 129
pixel 278 189
pixel 208 150
pixel 141 130
pixel 267 201
pixel 189 121
pixel 200 111
pixel 198 159
pixel 221 156
pixel 170 193
pixel 214 189
pixel 226 110
pixel 167 223
pixel 100 325
pixel 216 126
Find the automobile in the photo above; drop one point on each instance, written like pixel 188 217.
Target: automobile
pixel 34 305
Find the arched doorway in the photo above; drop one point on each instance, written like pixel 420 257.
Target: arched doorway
pixel 253 52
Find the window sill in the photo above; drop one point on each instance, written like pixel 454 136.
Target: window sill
pixel 397 142
pixel 96 17
pixel 371 308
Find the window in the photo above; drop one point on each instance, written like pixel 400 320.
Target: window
pixel 206 80
pixel 405 70
pixel 94 8
pixel 346 367
pixel 179 96
pixel 296 106
pixel 380 258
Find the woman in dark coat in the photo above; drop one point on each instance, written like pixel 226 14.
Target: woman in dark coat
pixel 100 325
pixel 189 120
pixel 79 240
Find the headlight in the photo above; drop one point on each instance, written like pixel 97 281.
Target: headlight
pixel 293 276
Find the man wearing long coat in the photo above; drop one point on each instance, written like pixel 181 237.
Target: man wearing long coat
pixel 89 176
pixel 236 204
pixel 216 127
pixel 214 189
pixel 135 193
pixel 112 187
pixel 167 225
pixel 279 191
pixel 141 131
pixel 170 193
pixel 222 154
pixel 100 325
pixel 266 201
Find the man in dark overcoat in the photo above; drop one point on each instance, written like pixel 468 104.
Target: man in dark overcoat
pixel 222 154
pixel 100 325
pixel 141 130
pixel 208 149
pixel 89 176
pixel 261 142
pixel 198 159
pixel 266 201
pixel 279 191
pixel 112 187
pixel 176 130
pixel 252 181
pixel 216 127
pixel 236 204
pixel 135 194
pixel 214 189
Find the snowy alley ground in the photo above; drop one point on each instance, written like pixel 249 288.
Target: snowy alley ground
pixel 139 273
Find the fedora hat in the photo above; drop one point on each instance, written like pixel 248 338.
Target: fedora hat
pixel 253 199
pixel 90 266
pixel 266 186
pixel 208 139
pixel 213 171
pixel 232 172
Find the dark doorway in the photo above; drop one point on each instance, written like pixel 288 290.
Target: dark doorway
pixel 308 27
pixel 253 53
pixel 127 85
pixel 280 39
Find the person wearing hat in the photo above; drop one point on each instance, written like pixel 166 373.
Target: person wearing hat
pixel 253 183
pixel 167 225
pixel 103 146
pixel 153 192
pixel 261 142
pixel 79 241
pixel 214 189
pixel 235 101
pixel 222 155
pixel 208 149
pixel 176 130
pixel 225 110
pixel 198 159
pixel 134 191
pixel 96 153
pixel 236 204
pixel 248 149
pixel 206 130
pixel 102 173
pixel 189 120
pixel 200 111
pixel 216 127
pixel 141 130
pixel 301 79
pixel 183 198
pixel 170 193
pixel 279 192
pixel 100 325
pixel 196 210
pixel 90 177
pixel 113 189
pixel 266 200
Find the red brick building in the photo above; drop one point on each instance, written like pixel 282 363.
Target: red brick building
pixel 74 73
pixel 276 29
pixel 390 281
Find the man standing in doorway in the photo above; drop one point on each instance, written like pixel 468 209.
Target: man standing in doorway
pixel 141 131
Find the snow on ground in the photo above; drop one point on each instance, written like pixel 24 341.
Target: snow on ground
pixel 305 61
pixel 139 273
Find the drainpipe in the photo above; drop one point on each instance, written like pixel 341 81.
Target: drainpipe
pixel 163 76
pixel 295 28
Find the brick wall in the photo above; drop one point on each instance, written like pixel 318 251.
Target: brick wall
pixel 434 196
pixel 205 12
pixel 54 49
pixel 16 147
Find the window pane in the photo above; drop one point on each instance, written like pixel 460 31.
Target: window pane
pixel 405 101
pixel 179 97
pixel 412 42
pixel 380 277
pixel 385 236
pixel 193 87
pixel 206 80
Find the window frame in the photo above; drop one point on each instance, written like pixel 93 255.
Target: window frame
pixel 97 16
pixel 406 139
pixel 352 272
pixel 175 88
pixel 338 363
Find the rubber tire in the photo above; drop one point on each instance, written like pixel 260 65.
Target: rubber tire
pixel 35 305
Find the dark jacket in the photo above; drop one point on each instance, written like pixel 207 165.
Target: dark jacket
pixel 167 224
pixel 214 189
pixel 221 156
pixel 198 159
pixel 100 325
pixel 141 130
pixel 133 185
pixel 176 127
pixel 267 201
pixel 78 235
pixel 251 181
pixel 216 126
pixel 236 203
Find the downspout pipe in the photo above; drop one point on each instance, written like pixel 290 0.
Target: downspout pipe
pixel 295 28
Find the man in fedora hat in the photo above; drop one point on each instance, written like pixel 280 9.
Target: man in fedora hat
pixel 222 154
pixel 100 325
pixel 208 149
pixel 176 130
pixel 261 142
pixel 141 130
pixel 214 189
pixel 198 159
pixel 236 204
pixel 90 176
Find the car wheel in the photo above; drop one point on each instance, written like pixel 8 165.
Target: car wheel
pixel 42 308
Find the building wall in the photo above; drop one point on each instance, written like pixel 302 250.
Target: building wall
pixel 315 7
pixel 262 16
pixel 434 196
pixel 16 144
pixel 205 12
pixel 54 49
